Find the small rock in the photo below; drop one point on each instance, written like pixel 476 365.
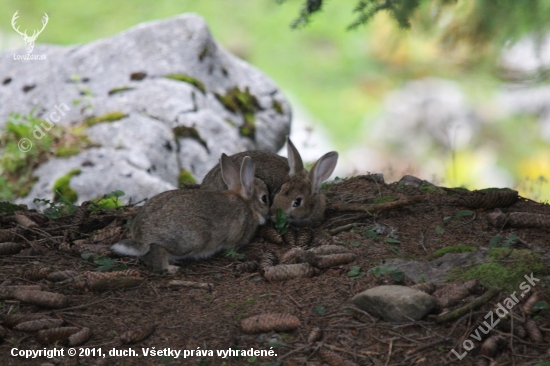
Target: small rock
pixel 395 303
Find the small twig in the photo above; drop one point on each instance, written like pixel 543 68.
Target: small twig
pixel 492 292
pixel 389 353
pixel 294 351
pixel 345 228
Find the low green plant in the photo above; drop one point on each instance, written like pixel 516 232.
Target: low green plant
pixel 396 274
pixel 281 223
pixel 233 254
pixel 355 272
pixel 108 202
pixel 56 209
pixel 460 248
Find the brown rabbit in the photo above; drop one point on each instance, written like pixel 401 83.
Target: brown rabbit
pixel 291 188
pixel 197 224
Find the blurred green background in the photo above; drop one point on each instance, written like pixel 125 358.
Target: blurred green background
pixel 343 78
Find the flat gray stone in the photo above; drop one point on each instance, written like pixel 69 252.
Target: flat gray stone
pixel 395 303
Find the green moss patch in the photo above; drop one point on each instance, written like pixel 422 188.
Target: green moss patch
pixel 277 106
pixel 185 177
pixel 7 208
pixel 62 187
pixel 383 199
pixel 119 90
pixel 461 248
pixel 243 103
pixel 188 79
pixel 183 131
pixel 506 268
pixel 107 117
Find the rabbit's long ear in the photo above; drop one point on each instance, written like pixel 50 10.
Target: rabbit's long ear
pixel 230 173
pixel 322 170
pixel 247 177
pixel 294 159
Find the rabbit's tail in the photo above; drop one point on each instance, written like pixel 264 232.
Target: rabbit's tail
pixel 129 247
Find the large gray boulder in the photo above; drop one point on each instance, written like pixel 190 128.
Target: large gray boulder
pixel 167 101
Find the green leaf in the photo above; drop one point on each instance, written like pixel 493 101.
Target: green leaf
pixel 541 305
pixel 391 241
pixel 252 359
pixel 320 309
pixel 281 223
pixel 398 276
pixel 355 272
pixel 495 240
pixel 371 234
pixel 86 256
pixel 382 270
pixel 439 230
pixel 510 240
pixel 447 218
pixel 233 254
pixel 463 213
pixel 355 243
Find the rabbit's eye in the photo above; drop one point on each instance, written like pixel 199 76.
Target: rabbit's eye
pixel 264 198
pixel 297 202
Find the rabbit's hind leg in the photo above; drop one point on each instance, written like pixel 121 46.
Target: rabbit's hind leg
pixel 160 259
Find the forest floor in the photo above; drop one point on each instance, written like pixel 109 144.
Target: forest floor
pixel 68 256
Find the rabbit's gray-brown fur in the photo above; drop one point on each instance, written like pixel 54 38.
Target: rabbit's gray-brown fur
pixel 292 189
pixel 196 224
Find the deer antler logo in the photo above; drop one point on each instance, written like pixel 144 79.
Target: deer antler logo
pixel 29 40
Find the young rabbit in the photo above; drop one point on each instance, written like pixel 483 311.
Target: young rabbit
pixel 291 188
pixel 196 224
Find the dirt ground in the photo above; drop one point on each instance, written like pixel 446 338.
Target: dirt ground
pixel 207 318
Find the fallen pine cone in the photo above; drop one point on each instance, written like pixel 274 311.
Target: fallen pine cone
pixel 108 283
pixel 518 219
pixel 492 345
pixel 453 294
pixel 315 335
pixel 80 337
pixel 291 256
pixel 285 272
pixel 10 248
pixel 247 267
pixel 426 287
pixel 38 324
pixel 304 236
pixel 25 221
pixel 533 330
pixel 107 236
pixel 59 276
pixel 42 298
pixel 270 234
pixel 328 249
pixel 11 320
pixel 290 237
pixel 36 274
pixel 332 260
pixel 269 322
pixel 192 284
pixel 7 235
pixel 269 259
pixel 80 214
pixel 490 198
pixel 531 301
pixel 50 336
pixel 333 359
pixel 7 291
pixel 137 335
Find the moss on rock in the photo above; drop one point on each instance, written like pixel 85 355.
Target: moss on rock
pixel 191 132
pixel 62 188
pixel 188 79
pixel 243 103
pixel 185 177
pixel 506 268
pixel 107 117
pixel 461 248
